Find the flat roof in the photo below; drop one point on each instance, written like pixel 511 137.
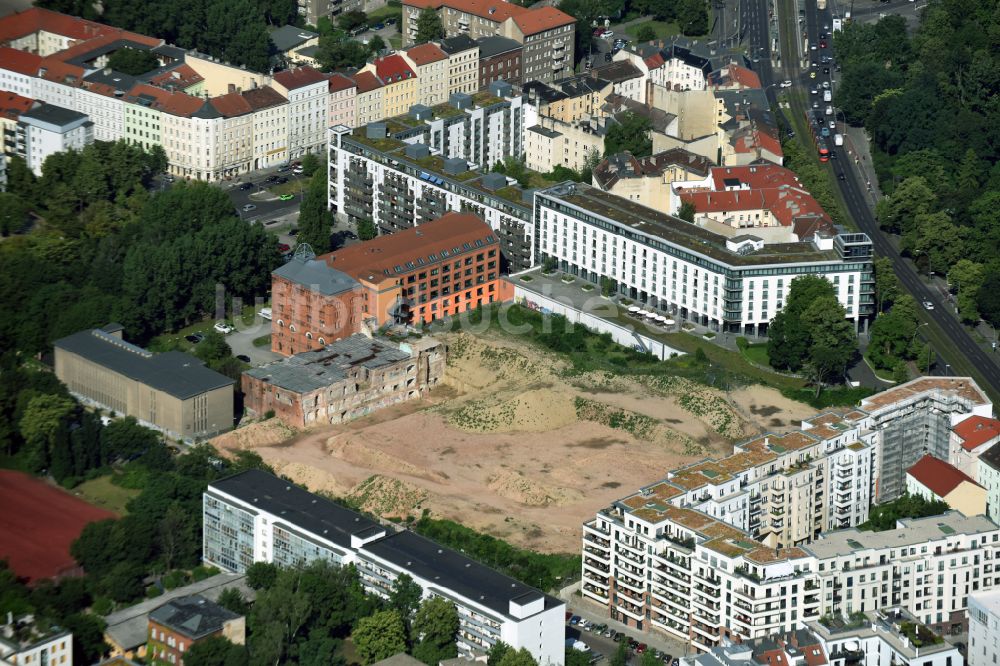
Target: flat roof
pixel 687 236
pixel 454 572
pixel 959 387
pixel 176 373
pixel 913 531
pixel 294 505
pixel 56 115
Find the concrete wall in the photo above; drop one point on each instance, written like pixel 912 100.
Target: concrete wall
pixel 219 76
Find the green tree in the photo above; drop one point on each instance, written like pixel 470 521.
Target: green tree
pixel 649 659
pixel 278 616
pixel 788 338
pixel 376 45
pixel 21 181
pixel 833 342
pixel 497 652
pixel 692 17
pixel 315 221
pixel 435 627
pixel 892 334
pixel 886 283
pixel 687 211
pixel 232 599
pixel 620 657
pixel 428 26
pixel 379 636
pixel 213 347
pixel 630 133
pixel 579 658
pixel 352 19
pixel 883 517
pixel 967 278
pixel 405 596
pixel 366 230
pixel 15 214
pixel 261 575
pixel 911 198
pixel 42 425
pixel 132 61
pixel 310 163
pixel 334 54
pixel 216 651
pixel 518 658
pixel 88 637
pixel 988 300
pixel 645 33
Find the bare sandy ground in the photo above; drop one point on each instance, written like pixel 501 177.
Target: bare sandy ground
pixel 513 446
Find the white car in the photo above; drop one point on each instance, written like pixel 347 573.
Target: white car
pixel 826 85
pixel 833 124
pixel 223 327
pixel 829 110
pixel 928 305
pixel 786 84
pixel 265 313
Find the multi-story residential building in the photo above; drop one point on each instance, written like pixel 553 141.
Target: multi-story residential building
pixel 370 100
pixel 463 63
pixel 12 106
pixel 173 391
pixel 984 628
pixel 570 100
pixel 22 641
pixel 343 99
pixel 269 132
pixel 730 283
pixel 766 198
pixel 970 439
pixel 647 180
pixel 988 476
pixel 344 380
pixel 430 64
pixel 499 60
pixel 916 418
pixel 312 304
pixel 307 91
pixel 936 480
pixel 47 129
pixel 183 622
pixel 234 140
pixel 548 37
pixel 467 18
pixel 420 274
pixel 399 84
pixel 257 517
pixel 373 176
pixel 18 70
pixel 626 79
pixel 553 143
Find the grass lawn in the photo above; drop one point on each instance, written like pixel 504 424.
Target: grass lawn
pixel 387 11
pixel 758 354
pixel 105 494
pixel 262 341
pixel 176 340
pixel 293 186
pixel 662 29
pixel 348 652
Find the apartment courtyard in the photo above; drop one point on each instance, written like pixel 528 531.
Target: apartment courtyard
pixel 514 446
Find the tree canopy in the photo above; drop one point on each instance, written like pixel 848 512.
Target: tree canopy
pixel 132 61
pixel 630 133
pixel 428 26
pixel 435 628
pixel 379 636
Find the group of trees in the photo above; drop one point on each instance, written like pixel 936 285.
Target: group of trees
pixel 811 333
pixel 315 220
pixel 893 337
pixel 930 103
pixel 132 61
pixel 630 133
pixel 883 517
pixel 108 250
pixel 232 30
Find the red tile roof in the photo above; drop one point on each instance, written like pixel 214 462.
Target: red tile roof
pixel 231 105
pixel 392 69
pixel 497 11
pixel 21 62
pixel 367 82
pixel 263 98
pixel 298 77
pixel 175 103
pixel 32 20
pixel 425 54
pixel 938 476
pixel 182 76
pixel 13 105
pixel 539 20
pixel 63 72
pixel 976 431
pixel 340 82
pixel 654 61
pixel 744 77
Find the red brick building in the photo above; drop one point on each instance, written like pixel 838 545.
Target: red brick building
pixel 180 623
pixel 312 305
pixel 423 273
pixel 499 60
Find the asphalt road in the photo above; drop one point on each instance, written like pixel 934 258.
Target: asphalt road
pixel 269 207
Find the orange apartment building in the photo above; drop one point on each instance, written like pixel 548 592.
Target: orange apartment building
pixel 417 275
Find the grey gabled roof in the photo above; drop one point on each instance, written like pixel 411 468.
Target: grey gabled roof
pixel 316 275
pixel 193 616
pixel 287 37
pixel 495 45
pixel 176 373
pixel 50 113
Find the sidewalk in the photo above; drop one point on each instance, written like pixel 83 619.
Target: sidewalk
pixel 594 612
pixel 856 143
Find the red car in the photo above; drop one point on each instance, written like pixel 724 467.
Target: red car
pixel 283 247
pixel 822 44
pixel 641 648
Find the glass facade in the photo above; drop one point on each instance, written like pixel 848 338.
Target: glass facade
pixel 228 534
pixel 292 548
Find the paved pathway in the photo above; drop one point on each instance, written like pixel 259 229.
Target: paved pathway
pixel 241 342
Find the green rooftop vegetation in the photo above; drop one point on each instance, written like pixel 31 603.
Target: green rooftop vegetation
pixel 486 98
pixel 385 145
pixel 918 634
pixel 446 111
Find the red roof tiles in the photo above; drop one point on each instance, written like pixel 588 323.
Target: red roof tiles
pixel 340 82
pixel 21 62
pixel 539 20
pixel 231 105
pixel 392 69
pixel 299 77
pixel 425 54
pixel 938 476
pixel 174 103
pixel 497 11
pixel 367 82
pixel 13 105
pixel 32 20
pixel 976 431
pixel 744 77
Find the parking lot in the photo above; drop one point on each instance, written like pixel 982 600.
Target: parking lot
pixel 603 641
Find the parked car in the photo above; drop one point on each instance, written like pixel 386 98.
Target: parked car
pixel 297 170
pixel 195 338
pixel 265 313
pixel 283 167
pixel 786 84
pixel 283 247
pixel 390 21
pixel 667 658
pixel 287 197
pixel 273 178
pixel 223 327
pixel 281 181
pixel 249 207
pixel 618 636
pixel 246 186
pixel 293 231
pixel 575 620
pixel 569 614
pixel 378 26
pixel 641 648
pixel 243 357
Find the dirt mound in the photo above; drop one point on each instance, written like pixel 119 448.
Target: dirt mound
pixel 254 435
pixel 312 477
pixel 536 410
pixel 350 448
pixel 515 486
pixel 385 496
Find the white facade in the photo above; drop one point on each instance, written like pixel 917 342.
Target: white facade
pixel 106 111
pixel 47 130
pixel 988 476
pixel 308 110
pixel 984 628
pixel 672 265
pixel 55 650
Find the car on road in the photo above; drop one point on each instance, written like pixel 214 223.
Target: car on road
pixel 283 247
pixel 826 85
pixel 575 620
pixel 249 207
pixel 841 176
pixel 195 338
pixel 826 70
pixel 273 178
pixel 833 124
pixel 223 327
pixel 284 167
pixel 829 110
pixel 390 21
pixel 822 44
pixel 246 186
pixel 814 91
pixel 287 197
pixel 815 104
pixel 786 84
pixel 928 305
pixel 243 357
pixel 812 48
pixel 281 181
pixel 812 75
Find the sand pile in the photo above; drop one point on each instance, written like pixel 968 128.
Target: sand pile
pixel 352 448
pixel 385 496
pixel 254 435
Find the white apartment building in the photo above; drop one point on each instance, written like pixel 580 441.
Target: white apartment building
pixel 49 129
pixel 984 628
pixel 22 643
pixel 257 517
pixel 373 176
pixel 988 476
pixel 18 70
pixel 734 284
pixel 307 91
pixel 463 63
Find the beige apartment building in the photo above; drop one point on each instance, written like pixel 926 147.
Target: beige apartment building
pixel 399 84
pixel 173 392
pixel 647 180
pixel 370 100
pixel 463 64
pixel 470 18
pixel 430 64
pixel 551 143
pixel 570 100
pixel 270 126
pixel 343 97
